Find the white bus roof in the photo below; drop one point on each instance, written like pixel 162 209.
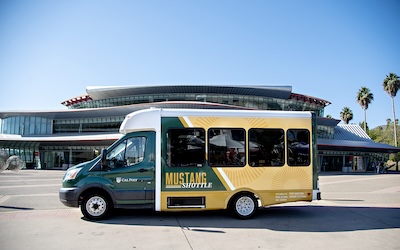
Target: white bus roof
pixel 233 113
pixel 149 119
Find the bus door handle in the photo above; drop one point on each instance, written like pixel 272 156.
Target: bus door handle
pixel 143 170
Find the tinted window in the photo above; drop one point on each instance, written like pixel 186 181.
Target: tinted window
pixel 266 147
pixel 186 147
pixel 128 153
pixel 227 147
pixel 298 141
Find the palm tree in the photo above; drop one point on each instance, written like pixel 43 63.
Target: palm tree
pixel 346 115
pixel 391 85
pixel 364 98
pixel 388 121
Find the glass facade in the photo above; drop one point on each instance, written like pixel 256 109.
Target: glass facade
pixel 325 132
pixel 63 157
pixel 35 126
pixel 26 125
pixel 349 161
pixel 54 157
pixel 88 125
pixel 265 103
pixel 25 150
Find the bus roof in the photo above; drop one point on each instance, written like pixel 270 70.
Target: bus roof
pixel 149 119
pixel 234 113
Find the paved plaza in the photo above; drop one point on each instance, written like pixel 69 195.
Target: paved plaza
pixel 357 211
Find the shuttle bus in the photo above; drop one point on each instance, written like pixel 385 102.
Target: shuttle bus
pixel 200 159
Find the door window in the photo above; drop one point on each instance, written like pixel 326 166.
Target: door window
pixel 128 153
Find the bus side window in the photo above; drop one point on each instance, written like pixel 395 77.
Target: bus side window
pixel 298 141
pixel 186 147
pixel 227 147
pixel 266 147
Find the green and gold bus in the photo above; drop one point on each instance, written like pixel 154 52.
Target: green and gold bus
pixel 200 159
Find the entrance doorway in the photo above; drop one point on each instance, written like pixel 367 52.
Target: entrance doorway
pixel 332 163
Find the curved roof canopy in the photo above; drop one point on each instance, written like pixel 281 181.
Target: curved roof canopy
pixel 97 93
pixel 279 92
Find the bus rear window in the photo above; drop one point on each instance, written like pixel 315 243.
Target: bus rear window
pixel 298 147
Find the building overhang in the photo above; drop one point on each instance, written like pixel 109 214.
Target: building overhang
pixel 360 146
pixel 7 140
pixel 116 111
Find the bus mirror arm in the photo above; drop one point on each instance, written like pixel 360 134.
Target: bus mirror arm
pixel 103 158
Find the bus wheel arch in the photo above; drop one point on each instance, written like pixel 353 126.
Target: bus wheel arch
pixel 243 205
pixel 95 203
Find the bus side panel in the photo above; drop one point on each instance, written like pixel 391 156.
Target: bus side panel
pixel 262 179
pixel 271 184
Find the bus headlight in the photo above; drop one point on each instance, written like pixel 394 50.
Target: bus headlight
pixel 71 174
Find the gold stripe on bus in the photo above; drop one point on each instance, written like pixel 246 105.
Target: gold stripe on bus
pixel 182 120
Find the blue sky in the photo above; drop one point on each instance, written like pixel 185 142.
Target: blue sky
pixel 52 50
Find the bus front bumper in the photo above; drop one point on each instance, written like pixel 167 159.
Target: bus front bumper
pixel 69 196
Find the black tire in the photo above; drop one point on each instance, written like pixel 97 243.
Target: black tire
pixel 95 206
pixel 244 206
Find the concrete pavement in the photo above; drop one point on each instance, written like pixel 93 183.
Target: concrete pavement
pixel 358 211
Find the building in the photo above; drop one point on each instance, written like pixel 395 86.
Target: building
pixel 60 139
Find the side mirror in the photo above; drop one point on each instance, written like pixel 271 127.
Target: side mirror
pixel 103 158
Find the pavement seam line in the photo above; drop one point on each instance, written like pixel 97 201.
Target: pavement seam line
pixel 4 198
pixel 183 231
pixel 26 186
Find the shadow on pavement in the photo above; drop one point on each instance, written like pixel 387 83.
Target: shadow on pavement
pixel 277 218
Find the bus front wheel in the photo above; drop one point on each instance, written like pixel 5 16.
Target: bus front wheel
pixel 244 206
pixel 95 206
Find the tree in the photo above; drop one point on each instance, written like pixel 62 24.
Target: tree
pixel 364 98
pixel 385 135
pixel 391 85
pixel 346 115
pixel 388 121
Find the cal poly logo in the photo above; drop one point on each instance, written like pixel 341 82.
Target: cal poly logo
pixel 118 179
pixel 128 179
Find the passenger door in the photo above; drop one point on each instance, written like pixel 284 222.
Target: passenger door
pixel 130 169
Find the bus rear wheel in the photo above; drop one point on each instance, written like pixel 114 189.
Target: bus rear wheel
pixel 244 206
pixel 95 206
